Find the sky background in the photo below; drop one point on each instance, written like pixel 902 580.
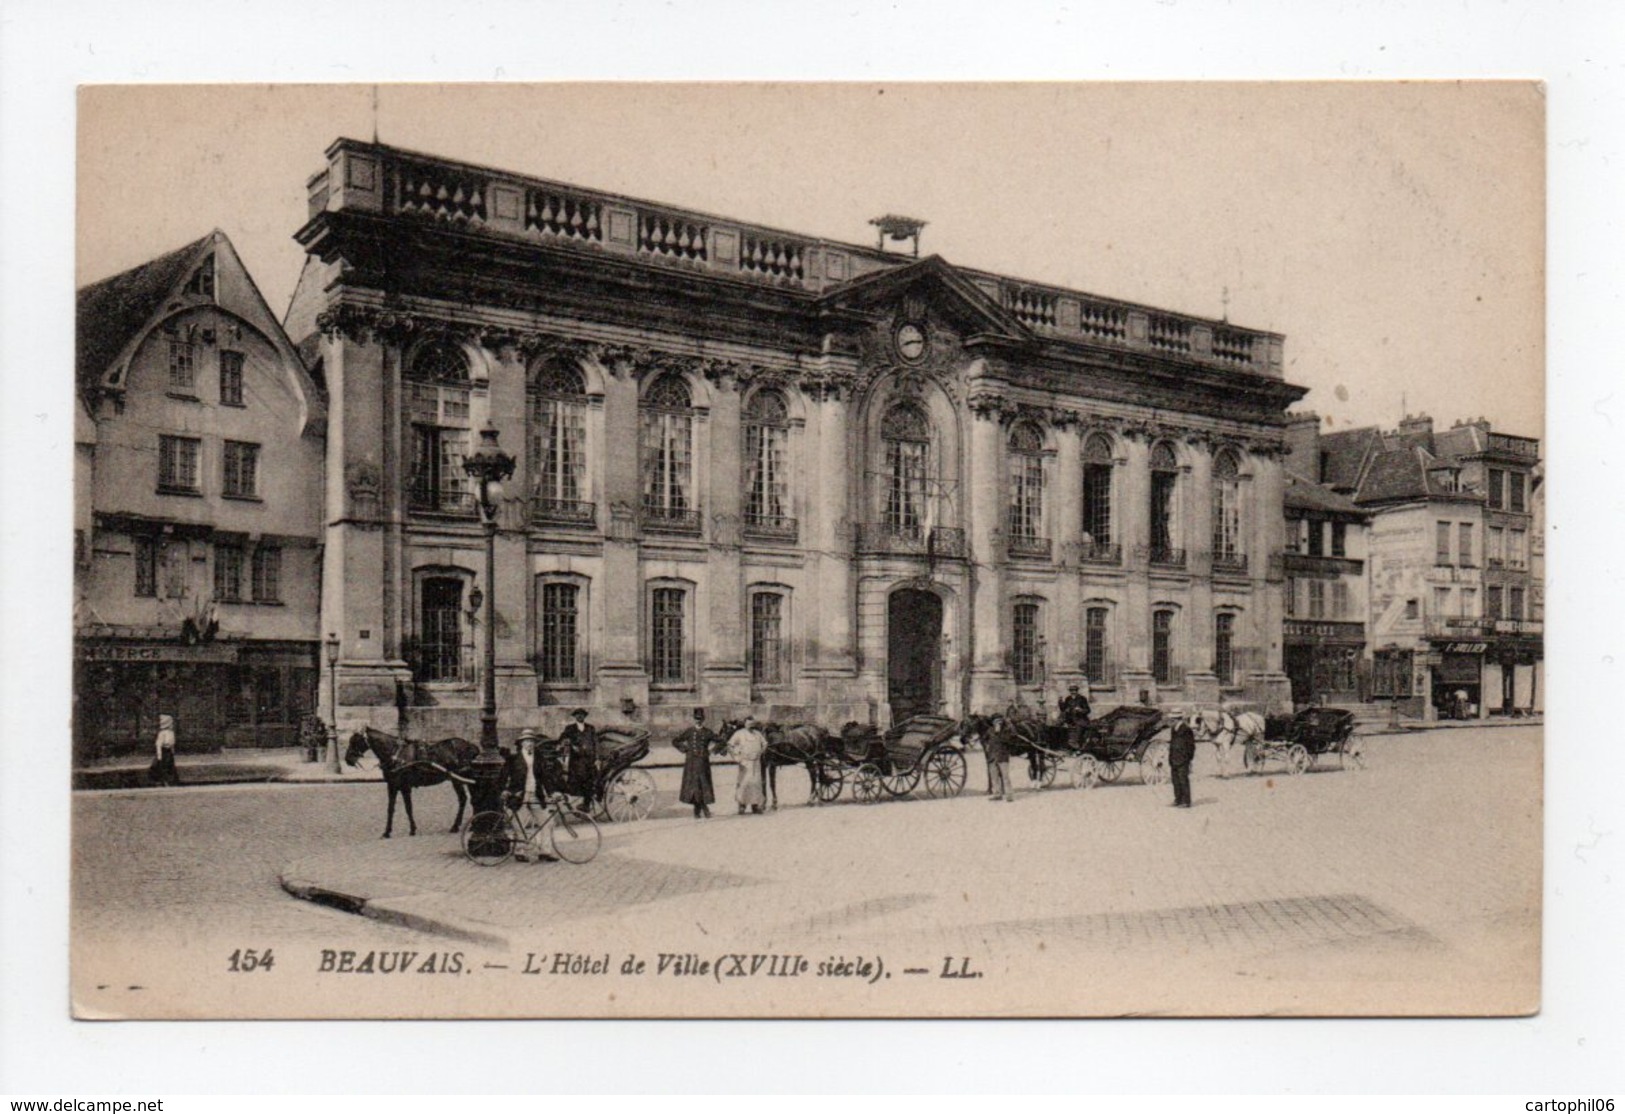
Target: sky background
pixel 1392 231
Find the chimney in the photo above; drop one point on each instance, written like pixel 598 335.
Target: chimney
pixel 1303 439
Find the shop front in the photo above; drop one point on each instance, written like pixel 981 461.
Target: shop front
pixel 1512 668
pixel 1456 685
pixel 1325 661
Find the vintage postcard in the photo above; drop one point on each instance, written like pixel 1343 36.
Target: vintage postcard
pixel 631 550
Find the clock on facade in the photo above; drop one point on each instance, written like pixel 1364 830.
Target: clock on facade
pixel 911 342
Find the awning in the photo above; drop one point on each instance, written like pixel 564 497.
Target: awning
pixel 1457 669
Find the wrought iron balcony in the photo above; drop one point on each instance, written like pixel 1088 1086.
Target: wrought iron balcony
pixel 771 527
pixel 546 511
pixel 911 540
pixel 1028 547
pixel 425 498
pixel 670 520
pixel 1101 553
pixel 1232 563
pixel 1167 557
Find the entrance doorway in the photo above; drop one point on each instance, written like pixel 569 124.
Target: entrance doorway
pixel 913 653
pixel 1300 670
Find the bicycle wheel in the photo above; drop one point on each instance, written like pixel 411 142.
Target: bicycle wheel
pixel 574 836
pixel 490 839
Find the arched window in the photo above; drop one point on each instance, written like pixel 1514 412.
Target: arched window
pixel 769 641
pixel 440 629
pixel 561 623
pixel 668 454
pixel 1164 486
pixel 1227 550
pixel 1097 499
pixel 907 438
pixel 438 396
pixel 670 625
pixel 1026 485
pixel 767 434
pixel 558 444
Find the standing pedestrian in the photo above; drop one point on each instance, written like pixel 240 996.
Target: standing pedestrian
pixel 1181 753
pixel 579 739
pixel 747 746
pixel 997 749
pixel 696 744
pixel 163 765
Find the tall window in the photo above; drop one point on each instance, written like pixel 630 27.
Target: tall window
pixel 1162 647
pixel 1095 645
pixel 1441 602
pixel 146 566
pixel 1317 599
pixel 1515 487
pixel 1226 509
pixel 228 572
pixel 907 437
pixel 438 400
pixel 767 638
pixel 1464 535
pixel 1290 594
pixel 1497 493
pixel 1025 657
pixel 241 469
pixel 1492 602
pixel 560 632
pixel 1315 534
pixel 1164 483
pixel 182 366
pixel 668 449
pixel 267 574
pixel 1469 603
pixel 440 637
pixel 558 438
pixel 1026 483
pixel 1340 599
pixel 1517 548
pixel 1097 491
pixel 1494 550
pixel 231 378
pixel 767 435
pixel 178 463
pixel 1514 603
pixel 1340 539
pixel 1441 546
pixel 668 659
pixel 175 559
pixel 1224 656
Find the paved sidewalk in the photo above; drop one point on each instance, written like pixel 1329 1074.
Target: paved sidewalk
pixel 1375 885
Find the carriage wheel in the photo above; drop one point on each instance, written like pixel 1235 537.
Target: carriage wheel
pixel 829 778
pixel 945 772
pixel 1297 759
pixel 631 796
pixel 1085 772
pixel 900 783
pixel 1110 771
pixel 1154 764
pixel 866 787
pixel 574 836
pixel 1353 755
pixel 1048 765
pixel 489 839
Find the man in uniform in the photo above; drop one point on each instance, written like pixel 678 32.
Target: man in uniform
pixel 1074 715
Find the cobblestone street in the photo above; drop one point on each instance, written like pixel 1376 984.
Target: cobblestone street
pixel 1411 886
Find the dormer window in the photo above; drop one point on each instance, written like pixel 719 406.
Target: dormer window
pixel 202 281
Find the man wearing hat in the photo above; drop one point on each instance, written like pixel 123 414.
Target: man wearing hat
pixel 580 742
pixel 1074 714
pixel 1181 753
pixel 695 744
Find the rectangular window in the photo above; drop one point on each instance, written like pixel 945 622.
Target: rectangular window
pixel 1025 656
pixel 176 561
pixel 767 638
pixel 440 636
pixel 1317 599
pixel 1464 539
pixel 766 503
pixel 561 620
pixel 1095 646
pixel 666 637
pixel 1163 485
pixel 1317 538
pixel 1497 494
pixel 1224 633
pixel 1441 602
pixel 1441 554
pixel 1162 648
pixel 1517 548
pixel 1492 602
pixel 1340 540
pixel 1026 497
pixel 241 469
pixel 231 378
pixel 1494 550
pixel 1514 603
pixel 182 366
pixel 1412 609
pixel 1469 603
pixel 267 574
pixel 1515 492
pixel 1340 599
pixel 146 566
pixel 177 463
pixel 668 440
pixel 905 489
pixel 228 572
pixel 558 449
pixel 1097 503
pixel 438 480
pixel 1291 596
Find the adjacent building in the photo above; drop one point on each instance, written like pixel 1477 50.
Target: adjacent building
pixel 1455 623
pixel 199 446
pixel 824 480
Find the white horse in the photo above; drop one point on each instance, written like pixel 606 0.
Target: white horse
pixel 1226 730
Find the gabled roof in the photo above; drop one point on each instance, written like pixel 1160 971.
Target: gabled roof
pixel 110 311
pixel 1305 494
pixel 1344 455
pixel 1462 440
pixel 971 302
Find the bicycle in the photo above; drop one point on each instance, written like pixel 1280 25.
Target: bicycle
pixel 493 837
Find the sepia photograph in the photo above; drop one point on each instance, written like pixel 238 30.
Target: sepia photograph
pixel 596 550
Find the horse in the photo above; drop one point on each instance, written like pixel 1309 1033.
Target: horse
pixel 407 765
pixel 1225 729
pixel 795 744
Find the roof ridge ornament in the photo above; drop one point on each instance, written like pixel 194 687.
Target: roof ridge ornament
pixel 895 227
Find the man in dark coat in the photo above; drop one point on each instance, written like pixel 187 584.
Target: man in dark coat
pixel 696 744
pixel 996 747
pixel 580 742
pixel 1181 753
pixel 1074 715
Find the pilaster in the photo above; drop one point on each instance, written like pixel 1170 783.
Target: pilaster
pixel 621 675
pixel 724 675
pixel 990 673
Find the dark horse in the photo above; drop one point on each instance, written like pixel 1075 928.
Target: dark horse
pixel 797 744
pixel 408 765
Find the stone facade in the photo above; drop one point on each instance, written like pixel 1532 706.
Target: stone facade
pixel 767 471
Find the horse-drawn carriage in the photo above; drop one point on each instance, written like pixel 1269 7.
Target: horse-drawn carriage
pixel 1298 740
pixel 611 780
pixel 894 763
pixel 1099 751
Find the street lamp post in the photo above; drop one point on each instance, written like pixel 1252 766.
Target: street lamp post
pixel 488 467
pixel 332 646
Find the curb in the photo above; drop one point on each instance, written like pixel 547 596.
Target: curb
pixel 389 912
